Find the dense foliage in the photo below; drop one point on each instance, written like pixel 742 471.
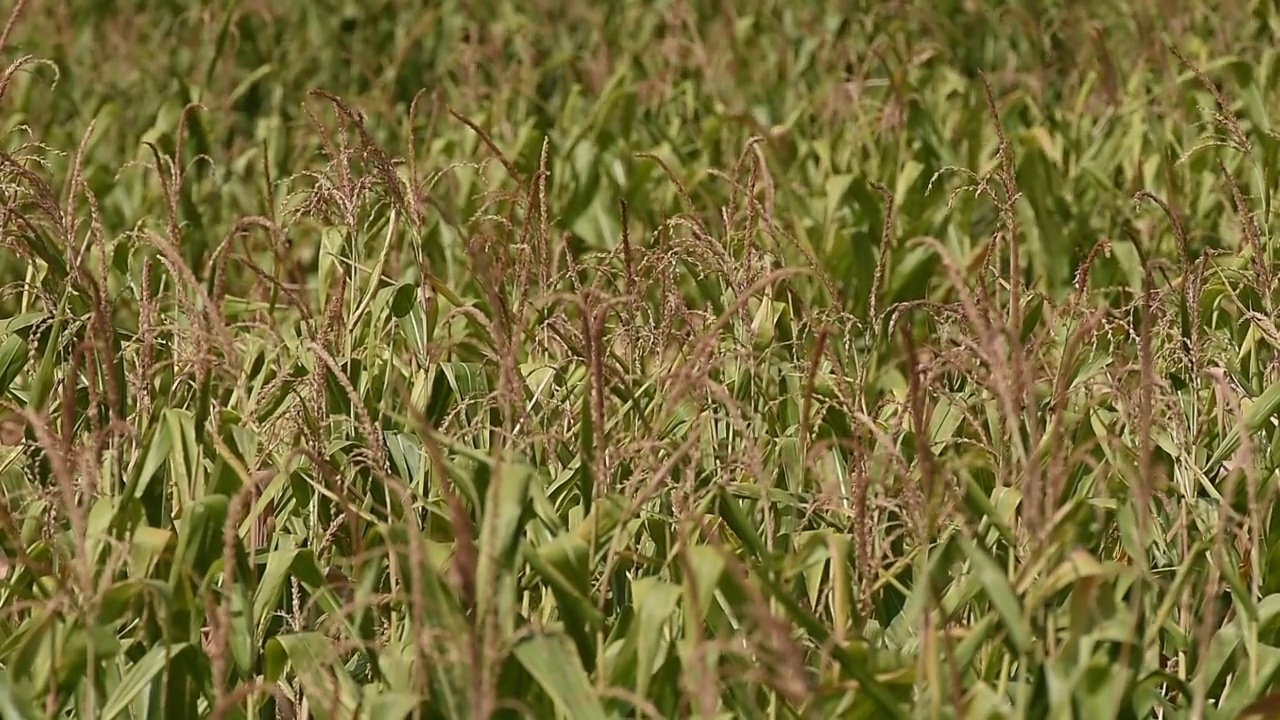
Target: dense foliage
pixel 764 359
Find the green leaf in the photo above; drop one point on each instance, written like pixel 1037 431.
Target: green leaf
pixel 312 657
pixel 505 511
pixel 402 301
pixel 15 704
pixel 380 705
pixel 1102 690
pixel 554 664
pixel 13 358
pixel 1000 592
pixel 281 565
pixel 1263 409
pixel 138 677
pixel 656 601
pixel 563 565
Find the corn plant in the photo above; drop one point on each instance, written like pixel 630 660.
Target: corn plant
pixel 777 360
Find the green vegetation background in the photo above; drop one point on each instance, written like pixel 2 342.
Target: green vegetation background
pixel 686 359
